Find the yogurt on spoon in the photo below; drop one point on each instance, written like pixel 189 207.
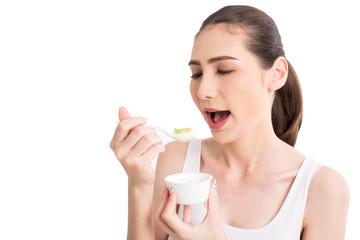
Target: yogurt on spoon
pixel 181 135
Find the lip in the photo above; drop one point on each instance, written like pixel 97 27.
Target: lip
pixel 211 124
pixel 213 110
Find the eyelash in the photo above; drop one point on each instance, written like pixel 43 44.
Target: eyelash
pixel 196 75
pixel 221 72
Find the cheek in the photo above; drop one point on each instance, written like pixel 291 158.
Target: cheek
pixel 248 98
pixel 257 103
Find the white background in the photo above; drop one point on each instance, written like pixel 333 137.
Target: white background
pixel 67 66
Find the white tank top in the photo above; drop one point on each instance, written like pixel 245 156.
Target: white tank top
pixel 287 223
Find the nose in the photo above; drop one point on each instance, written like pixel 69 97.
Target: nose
pixel 207 88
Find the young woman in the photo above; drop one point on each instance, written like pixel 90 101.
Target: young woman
pixel 250 96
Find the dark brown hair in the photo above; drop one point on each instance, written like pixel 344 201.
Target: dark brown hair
pixel 264 41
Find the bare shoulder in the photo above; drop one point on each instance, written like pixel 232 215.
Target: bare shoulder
pixel 328 183
pixel 327 205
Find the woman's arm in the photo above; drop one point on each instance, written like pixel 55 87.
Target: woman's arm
pixel 140 223
pixel 327 206
pixel 135 146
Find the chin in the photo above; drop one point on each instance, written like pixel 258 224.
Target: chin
pixel 230 135
pixel 223 137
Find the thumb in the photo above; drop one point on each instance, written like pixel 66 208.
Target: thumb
pixel 213 202
pixel 123 113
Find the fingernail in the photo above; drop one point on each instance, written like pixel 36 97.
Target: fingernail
pixel 214 182
pixel 164 188
pixel 171 190
pixel 145 119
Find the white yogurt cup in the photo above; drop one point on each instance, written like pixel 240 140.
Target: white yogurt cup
pixel 191 188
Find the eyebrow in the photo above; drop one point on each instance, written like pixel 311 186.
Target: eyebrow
pixel 212 60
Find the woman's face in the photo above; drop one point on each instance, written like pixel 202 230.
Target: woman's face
pixel 228 84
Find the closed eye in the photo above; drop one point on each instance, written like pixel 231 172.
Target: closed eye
pixel 223 72
pixel 196 75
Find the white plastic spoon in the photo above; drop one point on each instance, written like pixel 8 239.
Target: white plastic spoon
pixel 182 137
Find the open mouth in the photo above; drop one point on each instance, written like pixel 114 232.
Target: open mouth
pixel 216 119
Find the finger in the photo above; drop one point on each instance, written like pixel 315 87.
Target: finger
pixel 159 211
pixel 170 207
pixel 152 152
pixel 187 218
pixel 146 142
pixel 163 202
pixel 213 202
pixel 123 113
pixel 124 127
pixel 140 133
pixel 170 216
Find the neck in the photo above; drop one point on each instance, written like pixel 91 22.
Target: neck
pixel 258 150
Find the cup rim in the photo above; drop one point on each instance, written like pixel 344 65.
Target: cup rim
pixel 168 180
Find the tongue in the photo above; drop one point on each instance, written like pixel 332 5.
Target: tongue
pixel 219 116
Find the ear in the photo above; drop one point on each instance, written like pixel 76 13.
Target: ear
pixel 278 74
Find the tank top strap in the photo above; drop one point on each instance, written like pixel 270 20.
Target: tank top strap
pixel 297 196
pixel 192 164
pixel 193 156
pixel 303 179
pixel 291 214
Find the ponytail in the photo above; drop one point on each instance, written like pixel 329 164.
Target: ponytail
pixel 287 109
